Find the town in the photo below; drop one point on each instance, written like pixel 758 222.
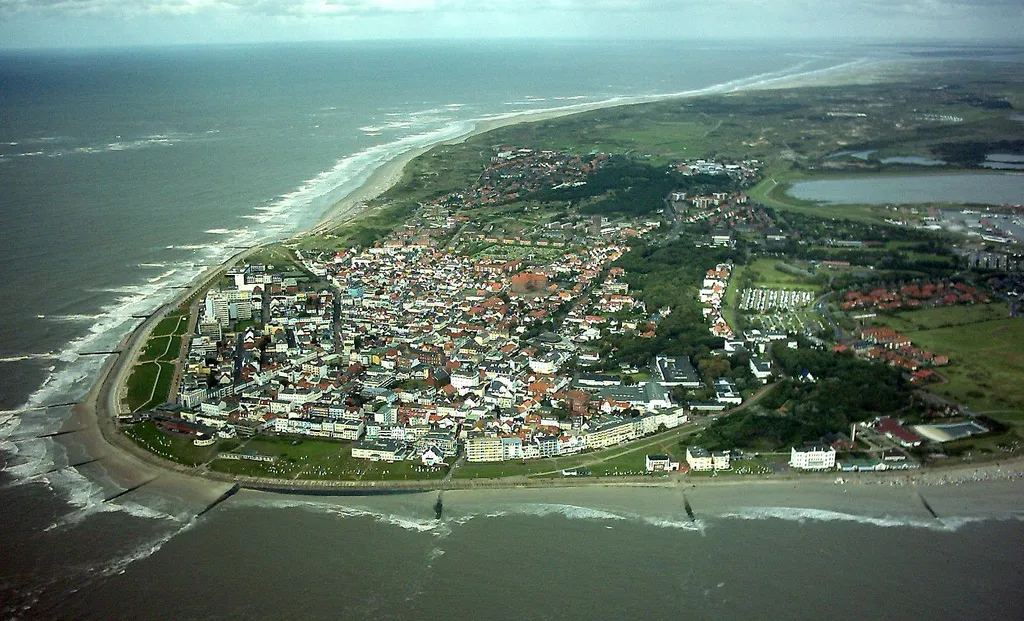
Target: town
pixel 466 336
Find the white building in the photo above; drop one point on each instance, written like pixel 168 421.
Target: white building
pixel 761 368
pixel 463 381
pixel 813 458
pixel 661 463
pixel 547 363
pixel 699 459
pixel 484 449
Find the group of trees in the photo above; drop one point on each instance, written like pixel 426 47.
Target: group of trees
pixel 668 276
pixel 845 390
pixel 626 186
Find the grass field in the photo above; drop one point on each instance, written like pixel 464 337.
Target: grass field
pixel 156 363
pixel 176 448
pixel 986 369
pixel 319 460
pixel 173 323
pixel 624 458
pixel 294 455
pixel 943 316
pixel 765 273
pixel 142 394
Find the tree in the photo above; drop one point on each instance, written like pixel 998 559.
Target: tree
pixel 710 368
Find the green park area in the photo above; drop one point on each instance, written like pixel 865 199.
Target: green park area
pixel 178 448
pixel 149 384
pixel 315 459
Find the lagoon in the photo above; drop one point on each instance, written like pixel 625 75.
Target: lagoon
pixel 984 189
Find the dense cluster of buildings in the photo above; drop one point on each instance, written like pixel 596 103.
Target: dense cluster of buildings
pixel 886 345
pixel 712 296
pixel 914 296
pixel 745 171
pixel 412 351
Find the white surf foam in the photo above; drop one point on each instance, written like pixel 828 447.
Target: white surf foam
pixel 160 277
pixel 190 247
pixel 87 499
pixel 422 525
pixel 576 512
pixel 24 357
pixel 803 515
pixel 144 550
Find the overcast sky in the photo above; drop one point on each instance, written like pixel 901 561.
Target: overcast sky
pixel 61 23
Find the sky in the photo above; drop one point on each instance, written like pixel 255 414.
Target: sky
pixel 99 23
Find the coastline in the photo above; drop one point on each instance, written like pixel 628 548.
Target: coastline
pixel 128 464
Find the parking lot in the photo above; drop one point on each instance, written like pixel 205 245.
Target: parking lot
pixel 764 300
pixel 804 321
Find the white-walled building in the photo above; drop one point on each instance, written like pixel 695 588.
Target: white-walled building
pixel 813 458
pixel 699 459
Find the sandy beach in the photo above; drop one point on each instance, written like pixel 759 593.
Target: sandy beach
pixel 996 488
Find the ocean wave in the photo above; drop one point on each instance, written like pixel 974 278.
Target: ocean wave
pixel 105 330
pixel 25 357
pixel 63 146
pixel 803 515
pixel 576 512
pixel 89 498
pixel 347 175
pixel 421 525
pixel 144 550
pixel 190 247
pixel 442 528
pixel 749 82
pixel 160 277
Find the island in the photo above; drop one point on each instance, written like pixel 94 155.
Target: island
pixel 641 295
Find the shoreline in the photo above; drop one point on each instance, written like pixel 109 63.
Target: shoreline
pixel 125 461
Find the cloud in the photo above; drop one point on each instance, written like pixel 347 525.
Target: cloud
pixel 357 8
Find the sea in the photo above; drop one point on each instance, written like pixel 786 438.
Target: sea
pixel 125 172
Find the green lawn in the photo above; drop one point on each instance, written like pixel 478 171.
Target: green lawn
pixel 141 383
pixel 176 448
pixel 943 316
pixel 765 273
pixel 278 469
pixel 629 456
pixel 986 369
pixel 295 455
pixel 400 471
pixel 313 459
pixel 159 348
pixel 154 348
pixel 173 323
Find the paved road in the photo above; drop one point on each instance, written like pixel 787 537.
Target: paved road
pixel 821 305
